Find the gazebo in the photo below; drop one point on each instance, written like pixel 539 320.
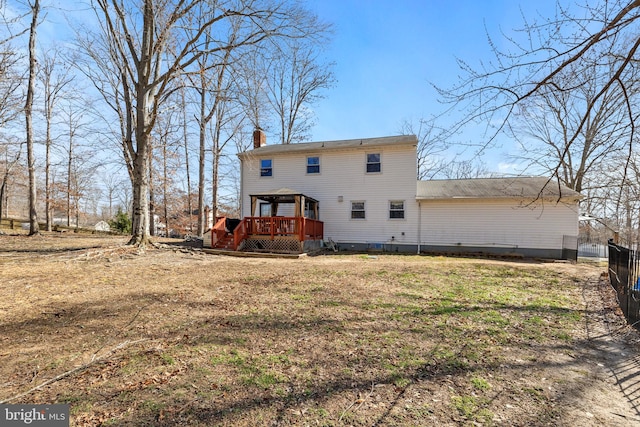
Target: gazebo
pixel 269 232
pixel 305 206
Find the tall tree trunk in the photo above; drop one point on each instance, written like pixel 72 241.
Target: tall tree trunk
pixel 28 110
pixel 47 178
pixel 185 135
pixel 140 226
pixel 3 186
pixel 214 181
pixel 143 94
pixel 76 207
pixel 152 198
pixel 216 150
pixel 69 174
pixel 4 194
pixel 201 158
pixel 165 178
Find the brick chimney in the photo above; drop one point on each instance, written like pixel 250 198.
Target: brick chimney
pixel 259 138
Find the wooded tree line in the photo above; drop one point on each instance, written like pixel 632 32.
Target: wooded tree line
pixel 170 90
pixel 566 88
pixel 167 89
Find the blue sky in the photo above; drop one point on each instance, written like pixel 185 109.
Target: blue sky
pixel 388 52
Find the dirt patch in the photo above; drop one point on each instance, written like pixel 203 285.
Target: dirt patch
pixel 173 336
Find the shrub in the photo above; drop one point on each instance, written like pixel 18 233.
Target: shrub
pixel 121 222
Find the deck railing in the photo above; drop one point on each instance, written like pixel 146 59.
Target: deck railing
pixel 218 231
pixel 297 228
pixel 239 234
pixel 312 229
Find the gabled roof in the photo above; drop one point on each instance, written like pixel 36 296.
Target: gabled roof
pixel 307 147
pixel 495 188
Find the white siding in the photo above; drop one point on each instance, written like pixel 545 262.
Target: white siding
pixel 497 223
pixel 342 173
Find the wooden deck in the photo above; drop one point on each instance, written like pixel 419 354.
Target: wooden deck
pixel 287 234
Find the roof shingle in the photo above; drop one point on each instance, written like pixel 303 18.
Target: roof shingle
pixel 494 188
pixel 331 145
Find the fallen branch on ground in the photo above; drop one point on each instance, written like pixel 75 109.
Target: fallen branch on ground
pixel 73 371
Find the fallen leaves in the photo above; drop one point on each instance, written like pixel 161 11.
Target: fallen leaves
pixel 332 340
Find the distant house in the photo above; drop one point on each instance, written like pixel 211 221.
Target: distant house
pixel 102 226
pixel 363 194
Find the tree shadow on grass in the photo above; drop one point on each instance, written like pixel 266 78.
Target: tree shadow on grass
pixel 339 356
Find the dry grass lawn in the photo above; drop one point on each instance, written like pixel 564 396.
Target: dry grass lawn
pixel 175 337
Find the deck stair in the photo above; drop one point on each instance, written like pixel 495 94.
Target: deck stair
pixel 225 243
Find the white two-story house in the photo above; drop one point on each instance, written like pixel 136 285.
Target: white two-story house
pixel 364 194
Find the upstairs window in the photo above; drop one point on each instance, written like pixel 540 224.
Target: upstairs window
pixel 373 163
pixel 313 164
pixel 266 167
pixel 357 210
pixel 396 209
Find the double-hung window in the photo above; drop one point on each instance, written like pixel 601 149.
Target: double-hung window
pixel 357 210
pixel 396 209
pixel 373 163
pixel 266 167
pixel 265 209
pixel 313 164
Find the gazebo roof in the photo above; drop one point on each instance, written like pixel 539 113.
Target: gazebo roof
pixel 281 195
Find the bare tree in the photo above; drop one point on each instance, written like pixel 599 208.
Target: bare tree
pixel 28 110
pixel 251 81
pixel 111 182
pixel 431 146
pixel 296 75
pixel 12 153
pixel 11 107
pixel 12 75
pixel 613 205
pixel 152 42
pixel 54 81
pixel 81 185
pixel 208 83
pixel 165 164
pixel 78 158
pixel 10 83
pixel 463 169
pixel 604 38
pixel 228 124
pixel 546 124
pixel 187 162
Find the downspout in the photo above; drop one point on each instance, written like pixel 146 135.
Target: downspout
pixel 419 225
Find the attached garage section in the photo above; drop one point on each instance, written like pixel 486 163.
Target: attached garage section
pixel 528 217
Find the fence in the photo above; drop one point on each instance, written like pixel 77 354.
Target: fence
pixel 624 266
pixel 593 248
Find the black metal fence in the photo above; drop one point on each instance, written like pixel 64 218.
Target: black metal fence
pixel 624 266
